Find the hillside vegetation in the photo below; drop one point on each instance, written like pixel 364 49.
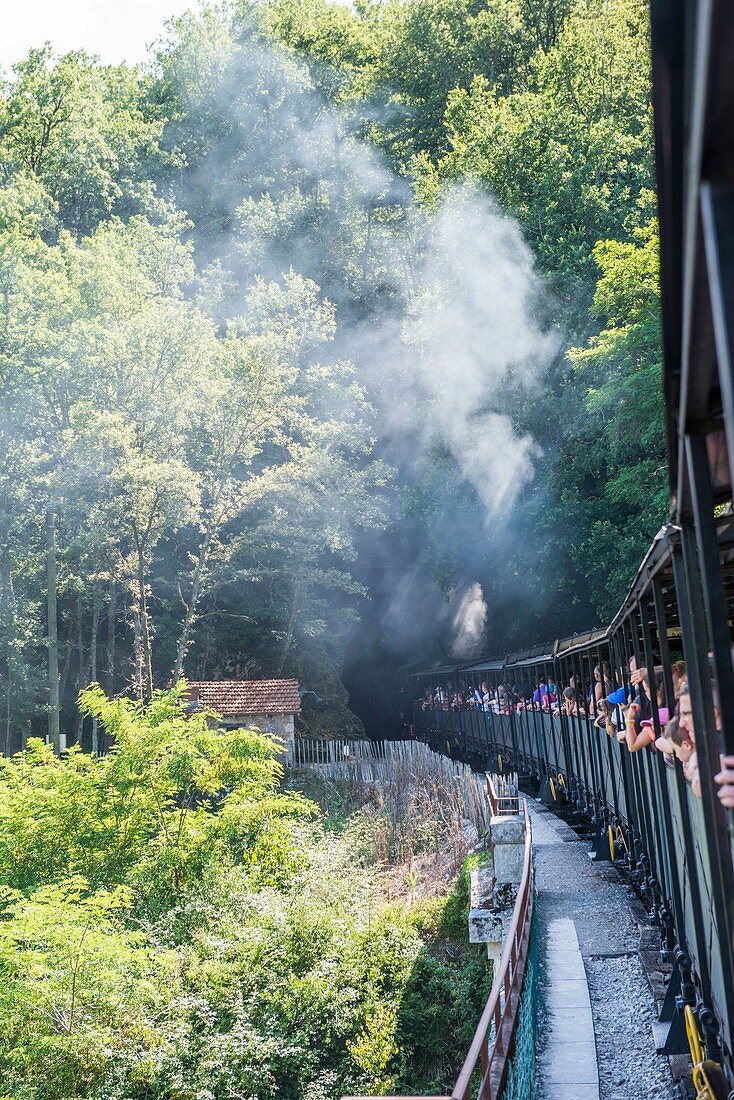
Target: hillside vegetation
pixel 220 363
pixel 176 926
pixel 326 314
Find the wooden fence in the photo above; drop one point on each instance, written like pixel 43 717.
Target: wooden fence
pixel 384 762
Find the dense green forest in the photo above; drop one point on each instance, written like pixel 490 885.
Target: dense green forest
pixel 325 312
pixel 329 338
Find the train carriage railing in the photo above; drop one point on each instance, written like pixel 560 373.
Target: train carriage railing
pixel 677 848
pixel 643 811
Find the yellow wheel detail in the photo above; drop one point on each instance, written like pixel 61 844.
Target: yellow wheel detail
pixel 694 1036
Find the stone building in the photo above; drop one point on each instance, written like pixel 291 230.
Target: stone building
pixel 271 705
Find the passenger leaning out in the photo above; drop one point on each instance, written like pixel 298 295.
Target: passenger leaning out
pixel 725 781
pixel 639 731
pixel 688 731
pixel 571 704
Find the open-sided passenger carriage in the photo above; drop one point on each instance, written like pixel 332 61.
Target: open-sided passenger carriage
pixel 677 847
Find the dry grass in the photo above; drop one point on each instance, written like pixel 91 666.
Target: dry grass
pixel 411 822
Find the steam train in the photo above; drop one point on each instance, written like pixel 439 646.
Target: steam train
pixel 676 846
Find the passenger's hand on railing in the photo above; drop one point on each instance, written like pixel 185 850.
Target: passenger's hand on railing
pixel 692 774
pixel 725 781
pixel 630 727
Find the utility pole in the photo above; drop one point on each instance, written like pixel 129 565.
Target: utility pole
pixel 54 727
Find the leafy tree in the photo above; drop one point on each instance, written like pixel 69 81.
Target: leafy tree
pixel 278 423
pixel 112 308
pixel 338 42
pixel 429 49
pixel 570 155
pixel 77 988
pixel 82 131
pixel 172 921
pixel 614 474
pixel 393 66
pixel 173 797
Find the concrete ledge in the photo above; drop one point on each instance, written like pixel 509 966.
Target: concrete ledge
pixel 568 1067
pixel 507 830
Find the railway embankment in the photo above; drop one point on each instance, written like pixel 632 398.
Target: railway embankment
pixel 596 1040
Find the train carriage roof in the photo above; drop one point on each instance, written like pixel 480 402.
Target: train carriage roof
pixel 526 658
pixel 586 640
pixel 435 670
pixel 693 98
pixel 493 664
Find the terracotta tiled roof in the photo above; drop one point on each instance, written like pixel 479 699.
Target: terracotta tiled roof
pixel 235 697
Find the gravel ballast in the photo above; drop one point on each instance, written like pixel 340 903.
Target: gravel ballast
pixel 622 1005
pixel 623 1012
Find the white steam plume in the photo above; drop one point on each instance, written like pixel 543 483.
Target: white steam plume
pixel 457 338
pixel 468 619
pixel 472 332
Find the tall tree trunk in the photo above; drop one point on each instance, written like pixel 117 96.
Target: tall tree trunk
pixel 65 665
pixel 8 620
pixel 54 718
pixel 80 676
pixel 145 632
pixel 143 644
pixel 288 640
pixel 93 668
pixel 8 705
pixel 194 597
pixel 111 654
pixel 138 654
pixel 69 651
pixel 111 638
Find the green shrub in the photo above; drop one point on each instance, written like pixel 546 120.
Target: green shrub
pixel 175 926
